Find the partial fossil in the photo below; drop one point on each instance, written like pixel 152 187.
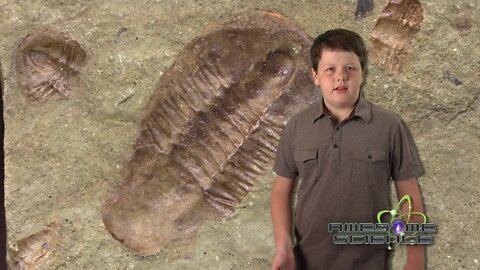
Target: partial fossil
pixel 46 62
pixel 394 30
pixel 463 23
pixel 451 77
pixel 35 247
pixel 210 129
pixel 364 7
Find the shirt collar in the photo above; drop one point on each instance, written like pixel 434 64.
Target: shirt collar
pixel 362 110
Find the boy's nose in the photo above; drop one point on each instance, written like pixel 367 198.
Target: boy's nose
pixel 341 76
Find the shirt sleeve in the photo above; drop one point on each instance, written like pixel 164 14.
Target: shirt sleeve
pixel 284 162
pixel 405 161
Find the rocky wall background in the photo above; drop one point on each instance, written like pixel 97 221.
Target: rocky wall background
pixel 63 157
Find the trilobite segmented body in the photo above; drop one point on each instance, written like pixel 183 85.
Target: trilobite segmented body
pixel 46 61
pixel 210 129
pixel 399 21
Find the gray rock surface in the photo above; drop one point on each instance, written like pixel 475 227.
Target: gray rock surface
pixel 62 158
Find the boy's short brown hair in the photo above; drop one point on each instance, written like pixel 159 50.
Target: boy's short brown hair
pixel 340 40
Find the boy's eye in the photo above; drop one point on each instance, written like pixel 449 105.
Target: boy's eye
pixel 330 69
pixel 350 68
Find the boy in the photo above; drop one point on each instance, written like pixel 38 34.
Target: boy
pixel 345 149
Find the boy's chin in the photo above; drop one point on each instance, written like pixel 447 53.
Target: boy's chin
pixel 344 100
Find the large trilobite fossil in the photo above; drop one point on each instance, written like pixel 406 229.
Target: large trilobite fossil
pixel 394 30
pixel 46 61
pixel 210 129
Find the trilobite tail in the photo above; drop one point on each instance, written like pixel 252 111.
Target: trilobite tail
pixel 147 215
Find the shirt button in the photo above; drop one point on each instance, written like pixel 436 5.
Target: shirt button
pixel 338 128
pixel 335 146
pixel 369 156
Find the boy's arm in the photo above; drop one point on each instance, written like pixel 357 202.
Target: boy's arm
pixel 281 210
pixel 415 253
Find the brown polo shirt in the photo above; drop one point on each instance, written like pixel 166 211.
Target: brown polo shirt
pixel 345 168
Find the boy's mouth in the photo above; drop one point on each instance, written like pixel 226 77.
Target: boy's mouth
pixel 341 88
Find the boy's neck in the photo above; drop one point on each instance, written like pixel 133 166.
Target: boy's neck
pixel 339 113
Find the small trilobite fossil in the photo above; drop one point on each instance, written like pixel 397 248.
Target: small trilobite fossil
pixel 46 61
pixel 33 248
pixel 396 26
pixel 210 129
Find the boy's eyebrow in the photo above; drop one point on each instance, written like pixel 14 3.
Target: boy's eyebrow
pixel 330 64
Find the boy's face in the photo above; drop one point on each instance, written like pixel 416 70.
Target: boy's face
pixel 339 76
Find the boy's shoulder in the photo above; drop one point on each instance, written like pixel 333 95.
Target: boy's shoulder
pixel 309 113
pixel 384 115
pixel 309 110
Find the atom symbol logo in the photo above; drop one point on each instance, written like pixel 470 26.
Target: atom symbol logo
pixel 398 221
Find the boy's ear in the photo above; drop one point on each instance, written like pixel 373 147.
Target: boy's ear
pixel 314 76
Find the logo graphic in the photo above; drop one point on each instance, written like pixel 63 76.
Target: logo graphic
pixel 398 230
